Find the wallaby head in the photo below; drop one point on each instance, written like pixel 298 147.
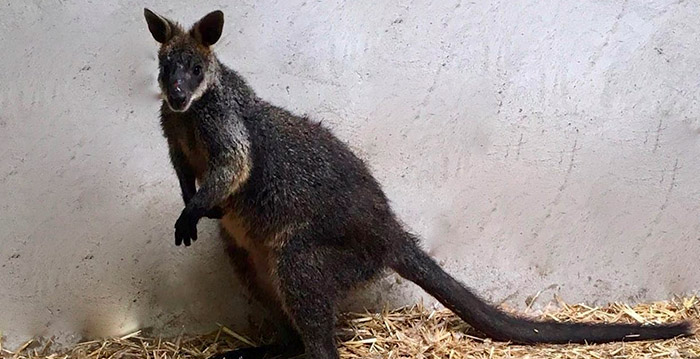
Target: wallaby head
pixel 187 64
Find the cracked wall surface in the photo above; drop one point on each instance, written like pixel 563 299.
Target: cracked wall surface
pixel 535 145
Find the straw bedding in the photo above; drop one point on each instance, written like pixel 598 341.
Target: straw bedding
pixel 414 332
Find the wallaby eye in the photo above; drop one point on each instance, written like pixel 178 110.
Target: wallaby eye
pixel 197 70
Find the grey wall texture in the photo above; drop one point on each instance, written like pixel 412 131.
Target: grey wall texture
pixel 535 145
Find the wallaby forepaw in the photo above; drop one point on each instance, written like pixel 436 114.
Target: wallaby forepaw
pixel 185 229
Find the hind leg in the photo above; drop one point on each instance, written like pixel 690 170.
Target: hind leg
pixel 309 299
pixel 311 280
pixel 288 341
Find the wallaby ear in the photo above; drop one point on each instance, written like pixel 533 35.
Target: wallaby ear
pixel 208 30
pixel 160 27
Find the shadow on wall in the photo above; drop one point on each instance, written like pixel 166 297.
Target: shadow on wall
pixel 182 290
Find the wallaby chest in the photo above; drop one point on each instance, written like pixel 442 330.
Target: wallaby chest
pixel 182 131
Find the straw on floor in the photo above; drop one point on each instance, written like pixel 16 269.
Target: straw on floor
pixel 414 332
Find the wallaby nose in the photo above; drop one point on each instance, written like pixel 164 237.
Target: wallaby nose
pixel 177 94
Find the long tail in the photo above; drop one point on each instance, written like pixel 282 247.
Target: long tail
pixel 419 268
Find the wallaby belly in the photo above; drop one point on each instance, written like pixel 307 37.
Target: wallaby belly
pixel 261 260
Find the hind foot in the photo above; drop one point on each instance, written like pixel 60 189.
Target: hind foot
pixel 245 353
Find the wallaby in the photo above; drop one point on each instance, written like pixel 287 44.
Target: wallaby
pixel 303 219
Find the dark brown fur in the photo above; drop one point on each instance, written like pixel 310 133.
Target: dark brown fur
pixel 303 219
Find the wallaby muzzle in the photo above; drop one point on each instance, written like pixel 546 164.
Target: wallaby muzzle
pixel 179 86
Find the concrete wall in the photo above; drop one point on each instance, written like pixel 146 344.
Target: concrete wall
pixel 536 145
